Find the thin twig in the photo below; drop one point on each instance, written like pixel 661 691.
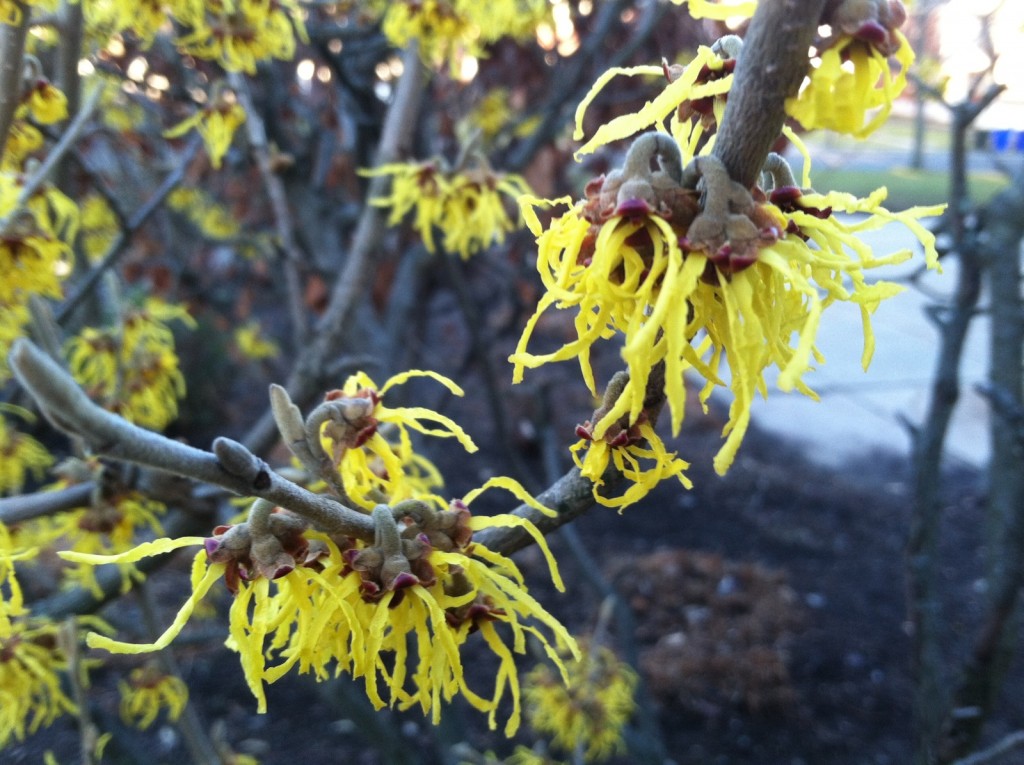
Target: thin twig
pixel 28 506
pixel 351 285
pixel 137 220
pixel 88 734
pixel 70 29
pixel 932 693
pixel 283 224
pixel 985 670
pixel 67 139
pixel 1004 746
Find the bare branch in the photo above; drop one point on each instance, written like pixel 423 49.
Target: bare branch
pixel 233 467
pixel 26 507
pixel 350 286
pixel 257 133
pixel 12 49
pixel 994 753
pixel 137 220
pixel 769 70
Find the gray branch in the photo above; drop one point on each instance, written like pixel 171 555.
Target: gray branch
pixel 232 466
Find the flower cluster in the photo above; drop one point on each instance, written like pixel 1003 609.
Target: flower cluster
pixel 306 601
pixel 132 368
pixel 359 443
pixel 31 692
pixel 202 209
pixel 695 270
pixel 216 124
pixel 588 713
pixel 851 87
pixel 467 206
pixel 147 693
pixel 21 456
pixel 447 29
pixel 109 524
pixel 394 610
pixel 252 344
pixel 99 227
pixel 852 76
pixel 35 232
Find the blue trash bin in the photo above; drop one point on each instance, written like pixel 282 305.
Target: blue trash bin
pixel 1001 140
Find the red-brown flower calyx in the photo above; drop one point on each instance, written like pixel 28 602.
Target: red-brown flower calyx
pixel 728 49
pixel 392 563
pixel 478 610
pixel 270 544
pixel 621 432
pixel 870 21
pixel 731 227
pixel 446 530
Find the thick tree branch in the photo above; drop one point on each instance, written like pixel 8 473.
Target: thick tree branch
pixel 769 70
pixel 232 466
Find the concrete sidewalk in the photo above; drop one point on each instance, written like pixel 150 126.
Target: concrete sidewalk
pixel 860 412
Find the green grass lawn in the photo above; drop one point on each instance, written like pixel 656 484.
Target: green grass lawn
pixel 906 187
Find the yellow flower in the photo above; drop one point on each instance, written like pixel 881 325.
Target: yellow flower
pixel 216 124
pixel 110 526
pixel 21 455
pixel 475 215
pixel 31 693
pixel 118 110
pixel 206 213
pixel 590 711
pixel 99 227
pixel 250 342
pixel 301 602
pixel 45 103
pixel 374 468
pixel 694 98
pixel 133 370
pixel 448 30
pixel 719 10
pixel 629 455
pixel 635 257
pixel 35 254
pixel 492 113
pixel 23 139
pixel 13 319
pixel 240 33
pixel 852 79
pixel 143 17
pixel 12 603
pixel 421 187
pixel 468 207
pixel 10 11
pixel 525 756
pixel 147 693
